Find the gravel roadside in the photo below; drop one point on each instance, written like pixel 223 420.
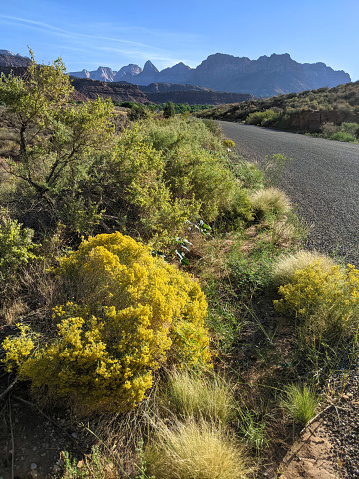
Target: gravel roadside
pixel 323 180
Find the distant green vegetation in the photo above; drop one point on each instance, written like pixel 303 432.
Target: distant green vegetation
pixel 178 107
pixel 335 112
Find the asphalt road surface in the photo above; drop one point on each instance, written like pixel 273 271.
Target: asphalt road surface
pixel 322 180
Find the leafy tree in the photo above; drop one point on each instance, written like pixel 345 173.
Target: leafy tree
pixel 58 142
pixel 169 110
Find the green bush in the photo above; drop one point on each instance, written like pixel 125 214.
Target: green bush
pixel 262 118
pixel 16 246
pixel 253 271
pixel 351 128
pixel 132 311
pixel 249 175
pixel 196 167
pixel 169 110
pixel 343 136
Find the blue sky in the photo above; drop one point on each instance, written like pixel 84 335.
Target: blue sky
pixel 88 34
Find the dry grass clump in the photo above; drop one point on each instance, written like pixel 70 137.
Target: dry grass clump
pixel 268 202
pixel 284 269
pixel 195 450
pixel 201 396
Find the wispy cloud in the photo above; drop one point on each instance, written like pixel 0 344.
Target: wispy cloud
pixel 106 45
pixel 70 34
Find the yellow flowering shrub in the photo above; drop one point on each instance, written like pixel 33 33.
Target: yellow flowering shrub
pixel 131 311
pixel 18 348
pixel 326 302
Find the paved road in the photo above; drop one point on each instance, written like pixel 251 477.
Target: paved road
pixel 323 180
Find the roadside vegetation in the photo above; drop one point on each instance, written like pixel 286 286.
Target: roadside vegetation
pixel 144 274
pixel 328 113
pixel 136 111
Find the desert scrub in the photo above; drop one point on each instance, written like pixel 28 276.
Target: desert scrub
pixel 131 312
pixel 269 202
pixel 285 267
pixel 137 193
pixel 325 303
pixel 16 246
pixel 196 166
pixel 195 450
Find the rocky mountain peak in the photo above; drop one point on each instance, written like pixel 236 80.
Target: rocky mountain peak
pixel 149 67
pixel 9 59
pixel 127 72
pixel 266 76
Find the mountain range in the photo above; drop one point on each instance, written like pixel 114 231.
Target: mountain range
pixel 267 76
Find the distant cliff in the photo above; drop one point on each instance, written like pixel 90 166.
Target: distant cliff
pixel 118 92
pixel 197 97
pixel 9 59
pixel 156 93
pixel 264 77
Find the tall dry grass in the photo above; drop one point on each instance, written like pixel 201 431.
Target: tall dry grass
pixel 285 267
pixel 269 202
pixel 195 450
pixel 208 396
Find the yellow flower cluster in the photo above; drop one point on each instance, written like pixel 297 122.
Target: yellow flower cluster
pixel 18 348
pixel 131 310
pixel 331 299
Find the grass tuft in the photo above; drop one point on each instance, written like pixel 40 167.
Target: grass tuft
pixel 191 394
pixel 195 450
pixel 300 402
pixel 269 202
pixel 285 267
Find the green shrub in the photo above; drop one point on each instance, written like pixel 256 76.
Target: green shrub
pixel 343 136
pixel 196 166
pixel 249 175
pixel 351 128
pixel 328 129
pixel 169 110
pixel 137 194
pixel 15 245
pixel 262 118
pixel 132 310
pixel 253 271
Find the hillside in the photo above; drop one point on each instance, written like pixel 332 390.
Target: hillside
pixel 118 92
pixel 263 77
pixel 196 96
pixel 9 59
pixel 307 111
